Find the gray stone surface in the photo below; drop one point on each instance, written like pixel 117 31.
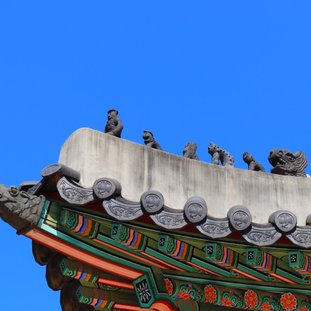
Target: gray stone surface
pixel 139 169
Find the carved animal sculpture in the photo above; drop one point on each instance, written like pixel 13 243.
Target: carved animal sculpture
pixel 114 125
pixel 190 151
pixel 150 141
pixel 252 164
pixel 220 155
pixel 18 208
pixel 286 163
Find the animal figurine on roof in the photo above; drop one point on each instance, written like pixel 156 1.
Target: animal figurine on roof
pixel 220 155
pixel 286 163
pixel 190 151
pixel 114 125
pixel 252 164
pixel 150 141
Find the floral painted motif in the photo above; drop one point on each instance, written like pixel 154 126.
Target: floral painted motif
pixel 251 299
pixel 189 291
pixel 266 307
pixel 303 309
pixel 232 299
pixel 226 302
pixel 183 295
pixel 169 286
pixel 210 294
pixel 288 302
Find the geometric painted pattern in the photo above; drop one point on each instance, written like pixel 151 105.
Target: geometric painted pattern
pixel 77 223
pixel 221 255
pixel 174 248
pixel 299 262
pixel 260 260
pixel 128 237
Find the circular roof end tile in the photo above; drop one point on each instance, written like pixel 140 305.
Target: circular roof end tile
pixel 195 210
pixel 285 221
pixel 240 217
pixel 152 201
pixel 105 188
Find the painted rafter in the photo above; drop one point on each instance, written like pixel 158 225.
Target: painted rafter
pixel 129 248
pixel 240 269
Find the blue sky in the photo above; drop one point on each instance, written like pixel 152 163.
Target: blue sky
pixel 233 72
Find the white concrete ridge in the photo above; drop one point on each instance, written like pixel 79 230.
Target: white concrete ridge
pixel 139 168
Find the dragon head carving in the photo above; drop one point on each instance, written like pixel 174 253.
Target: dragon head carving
pixel 18 208
pixel 190 151
pixel 286 163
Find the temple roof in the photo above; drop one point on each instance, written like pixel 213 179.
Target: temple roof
pixel 116 235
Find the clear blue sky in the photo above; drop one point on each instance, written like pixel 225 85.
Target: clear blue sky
pixel 237 73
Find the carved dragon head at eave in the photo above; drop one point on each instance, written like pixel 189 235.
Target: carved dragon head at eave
pixel 19 208
pixel 285 162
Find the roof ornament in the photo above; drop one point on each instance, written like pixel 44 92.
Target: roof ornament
pixel 152 201
pixel 240 217
pixel 195 210
pixel 190 151
pixel 150 141
pixel 286 163
pixel 220 155
pixel 253 165
pixel 285 221
pixel 114 125
pixel 20 209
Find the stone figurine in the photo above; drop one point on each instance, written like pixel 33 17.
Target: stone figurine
pixel 150 141
pixel 114 125
pixel 286 163
pixel 190 151
pixel 220 155
pixel 252 164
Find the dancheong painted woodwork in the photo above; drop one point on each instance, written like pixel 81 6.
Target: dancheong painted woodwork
pixel 105 252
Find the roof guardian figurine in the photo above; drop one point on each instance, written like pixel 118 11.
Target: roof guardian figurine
pixel 150 141
pixel 220 155
pixel 190 151
pixel 114 125
pixel 252 164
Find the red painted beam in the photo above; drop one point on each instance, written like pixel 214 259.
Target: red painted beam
pixel 78 254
